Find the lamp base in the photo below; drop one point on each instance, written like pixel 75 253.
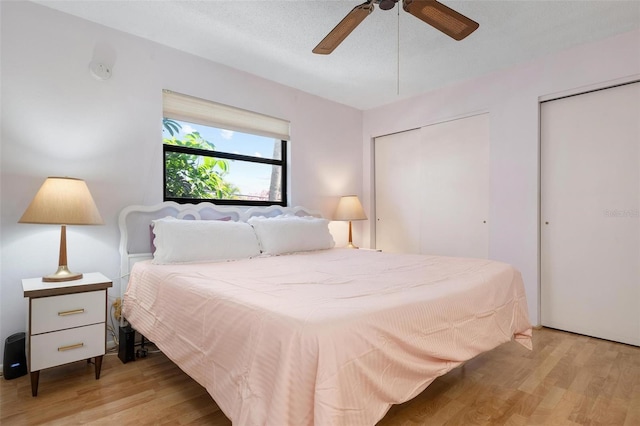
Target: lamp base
pixel 61 275
pixel 350 243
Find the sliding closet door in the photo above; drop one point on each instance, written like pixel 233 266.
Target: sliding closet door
pixel 590 230
pixel 454 190
pixel 397 192
pixel 432 189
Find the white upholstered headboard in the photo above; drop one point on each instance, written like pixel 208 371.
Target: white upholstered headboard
pixel 134 222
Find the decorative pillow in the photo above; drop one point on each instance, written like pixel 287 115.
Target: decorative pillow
pixel 191 241
pixel 152 245
pixel 288 234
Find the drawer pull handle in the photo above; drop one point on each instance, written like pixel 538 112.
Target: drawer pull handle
pixel 75 311
pixel 68 348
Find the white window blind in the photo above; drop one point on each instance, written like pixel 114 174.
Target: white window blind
pixel 195 110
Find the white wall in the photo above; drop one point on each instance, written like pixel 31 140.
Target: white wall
pixel 511 98
pixel 57 120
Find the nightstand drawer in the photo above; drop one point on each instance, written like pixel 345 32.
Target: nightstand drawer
pixel 61 347
pixel 67 311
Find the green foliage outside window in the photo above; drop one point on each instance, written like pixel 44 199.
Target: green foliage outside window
pixel 194 176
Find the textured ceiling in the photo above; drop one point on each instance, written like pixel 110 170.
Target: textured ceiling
pixel 390 56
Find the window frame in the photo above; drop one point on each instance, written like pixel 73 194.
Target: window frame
pixel 282 162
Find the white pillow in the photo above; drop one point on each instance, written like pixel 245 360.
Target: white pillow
pixel 190 241
pixel 288 234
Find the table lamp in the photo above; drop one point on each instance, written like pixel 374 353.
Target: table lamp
pixel 62 201
pixel 350 208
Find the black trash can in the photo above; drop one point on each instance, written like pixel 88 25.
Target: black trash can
pixel 15 361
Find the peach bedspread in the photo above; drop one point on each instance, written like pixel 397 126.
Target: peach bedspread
pixel 332 337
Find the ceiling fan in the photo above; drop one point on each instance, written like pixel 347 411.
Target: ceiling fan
pixel 436 14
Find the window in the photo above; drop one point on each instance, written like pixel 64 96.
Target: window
pixel 222 154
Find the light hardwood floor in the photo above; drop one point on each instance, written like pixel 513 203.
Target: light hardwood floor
pixel 566 380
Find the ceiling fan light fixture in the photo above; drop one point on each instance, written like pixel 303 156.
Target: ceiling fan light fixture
pixel 387 4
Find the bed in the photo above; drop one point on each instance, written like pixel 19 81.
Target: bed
pixel 294 334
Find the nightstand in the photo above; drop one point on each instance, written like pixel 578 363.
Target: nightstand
pixel 66 322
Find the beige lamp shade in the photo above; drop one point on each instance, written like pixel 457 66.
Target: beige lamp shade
pixel 62 201
pixel 349 208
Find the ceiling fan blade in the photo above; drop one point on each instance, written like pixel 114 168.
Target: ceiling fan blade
pixel 344 28
pixel 441 17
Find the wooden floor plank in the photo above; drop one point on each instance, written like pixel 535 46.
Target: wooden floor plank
pixel 567 379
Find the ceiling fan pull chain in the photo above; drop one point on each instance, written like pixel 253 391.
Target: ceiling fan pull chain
pixel 398 58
